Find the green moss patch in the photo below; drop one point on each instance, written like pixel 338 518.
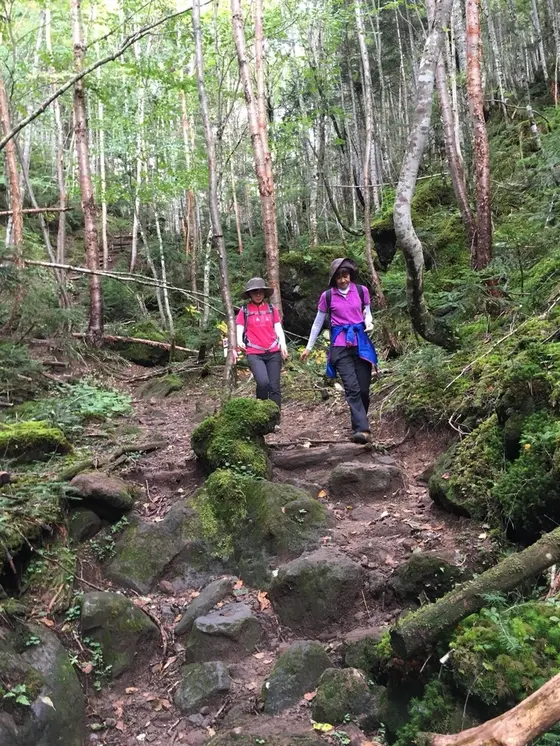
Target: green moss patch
pixel 234 437
pixel 500 657
pixel 31 441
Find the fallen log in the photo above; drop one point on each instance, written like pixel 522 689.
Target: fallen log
pixel 418 630
pixel 134 340
pixel 301 457
pixel 517 727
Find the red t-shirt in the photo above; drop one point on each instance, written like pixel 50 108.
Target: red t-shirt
pixel 260 328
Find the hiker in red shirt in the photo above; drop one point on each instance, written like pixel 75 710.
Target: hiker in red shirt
pixel 261 336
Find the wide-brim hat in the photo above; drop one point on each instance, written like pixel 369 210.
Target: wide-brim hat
pixel 342 263
pixel 257 283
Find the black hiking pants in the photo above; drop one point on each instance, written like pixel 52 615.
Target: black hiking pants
pixel 356 379
pixel 266 370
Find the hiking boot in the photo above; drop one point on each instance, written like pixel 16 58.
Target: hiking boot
pixel 362 438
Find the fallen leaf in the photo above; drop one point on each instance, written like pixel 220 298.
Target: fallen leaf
pixel 258 656
pixel 131 690
pixel 87 668
pixel 250 686
pixel 483 535
pixel 150 696
pixel 263 600
pixel 446 475
pixel 118 708
pixel 211 732
pixel 166 704
pixel 170 662
pixel 323 727
pixel 47 622
pixel 48 701
pixel 322 494
pixel 194 594
pixel 237 585
pixel 309 696
pixel 120 725
pixel 283 508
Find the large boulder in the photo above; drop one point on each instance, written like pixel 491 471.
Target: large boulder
pixel 245 521
pixel 214 592
pixel 120 627
pixel 36 668
pixel 235 436
pixel 228 634
pixel 201 685
pixel 312 592
pixel 83 524
pixel 31 441
pixel 296 672
pixel 145 550
pixel 344 692
pixel 159 388
pixel 424 576
pixel 108 496
pixel 363 482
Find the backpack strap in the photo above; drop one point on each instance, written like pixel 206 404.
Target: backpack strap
pixel 246 315
pixel 328 299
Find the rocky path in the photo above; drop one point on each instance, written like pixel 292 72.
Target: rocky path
pixel 380 516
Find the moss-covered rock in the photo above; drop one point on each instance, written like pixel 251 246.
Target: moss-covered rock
pixel 312 592
pixel 235 436
pixel 122 629
pixel 344 693
pixel 465 475
pixel 296 672
pixel 35 667
pixel 142 354
pixel 245 520
pixel 83 524
pixel 424 576
pixel 500 657
pixel 201 685
pixel 31 441
pixel 159 388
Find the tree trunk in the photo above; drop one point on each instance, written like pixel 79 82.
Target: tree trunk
pixel 454 160
pixel 95 325
pixel 236 209
pixel 217 234
pixel 432 329
pixel 482 248
pixel 13 178
pixel 421 629
pixel 167 307
pixel 496 53
pixel 369 117
pixel 260 154
pixel 518 727
pixel 61 234
pixel 538 31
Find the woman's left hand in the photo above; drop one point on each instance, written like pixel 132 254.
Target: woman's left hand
pixel 284 352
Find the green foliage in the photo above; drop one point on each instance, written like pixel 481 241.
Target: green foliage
pixel 19 373
pixel 19 693
pixel 500 657
pixel 27 506
pixel 74 404
pixel 101 672
pixel 104 545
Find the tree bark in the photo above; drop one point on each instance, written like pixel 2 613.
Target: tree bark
pixel 61 233
pixel 421 629
pixel 12 170
pixel 369 120
pixel 518 727
pixel 432 329
pixel 217 233
pixel 454 160
pixel 482 248
pixel 91 238
pixel 538 31
pixel 261 156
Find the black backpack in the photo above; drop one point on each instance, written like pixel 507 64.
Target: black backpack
pixel 328 297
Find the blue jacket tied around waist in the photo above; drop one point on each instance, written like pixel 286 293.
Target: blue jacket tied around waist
pixel 353 332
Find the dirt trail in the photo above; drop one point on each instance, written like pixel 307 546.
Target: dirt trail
pixel 379 535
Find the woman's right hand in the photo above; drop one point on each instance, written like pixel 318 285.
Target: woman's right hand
pixel 304 355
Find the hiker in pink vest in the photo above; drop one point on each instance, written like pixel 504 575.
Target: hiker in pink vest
pixel 261 336
pixel 352 355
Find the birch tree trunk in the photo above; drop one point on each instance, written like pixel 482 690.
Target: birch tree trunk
pixel 482 248
pixel 369 117
pixel 538 31
pixel 496 53
pixel 168 314
pixel 454 159
pixel 217 234
pixel 95 325
pixel 61 234
pixel 261 159
pixel 432 329
pixel 236 209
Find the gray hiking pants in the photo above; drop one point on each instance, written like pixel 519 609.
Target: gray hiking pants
pixel 356 379
pixel 266 370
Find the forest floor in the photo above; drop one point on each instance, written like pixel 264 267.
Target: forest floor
pixel 380 535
